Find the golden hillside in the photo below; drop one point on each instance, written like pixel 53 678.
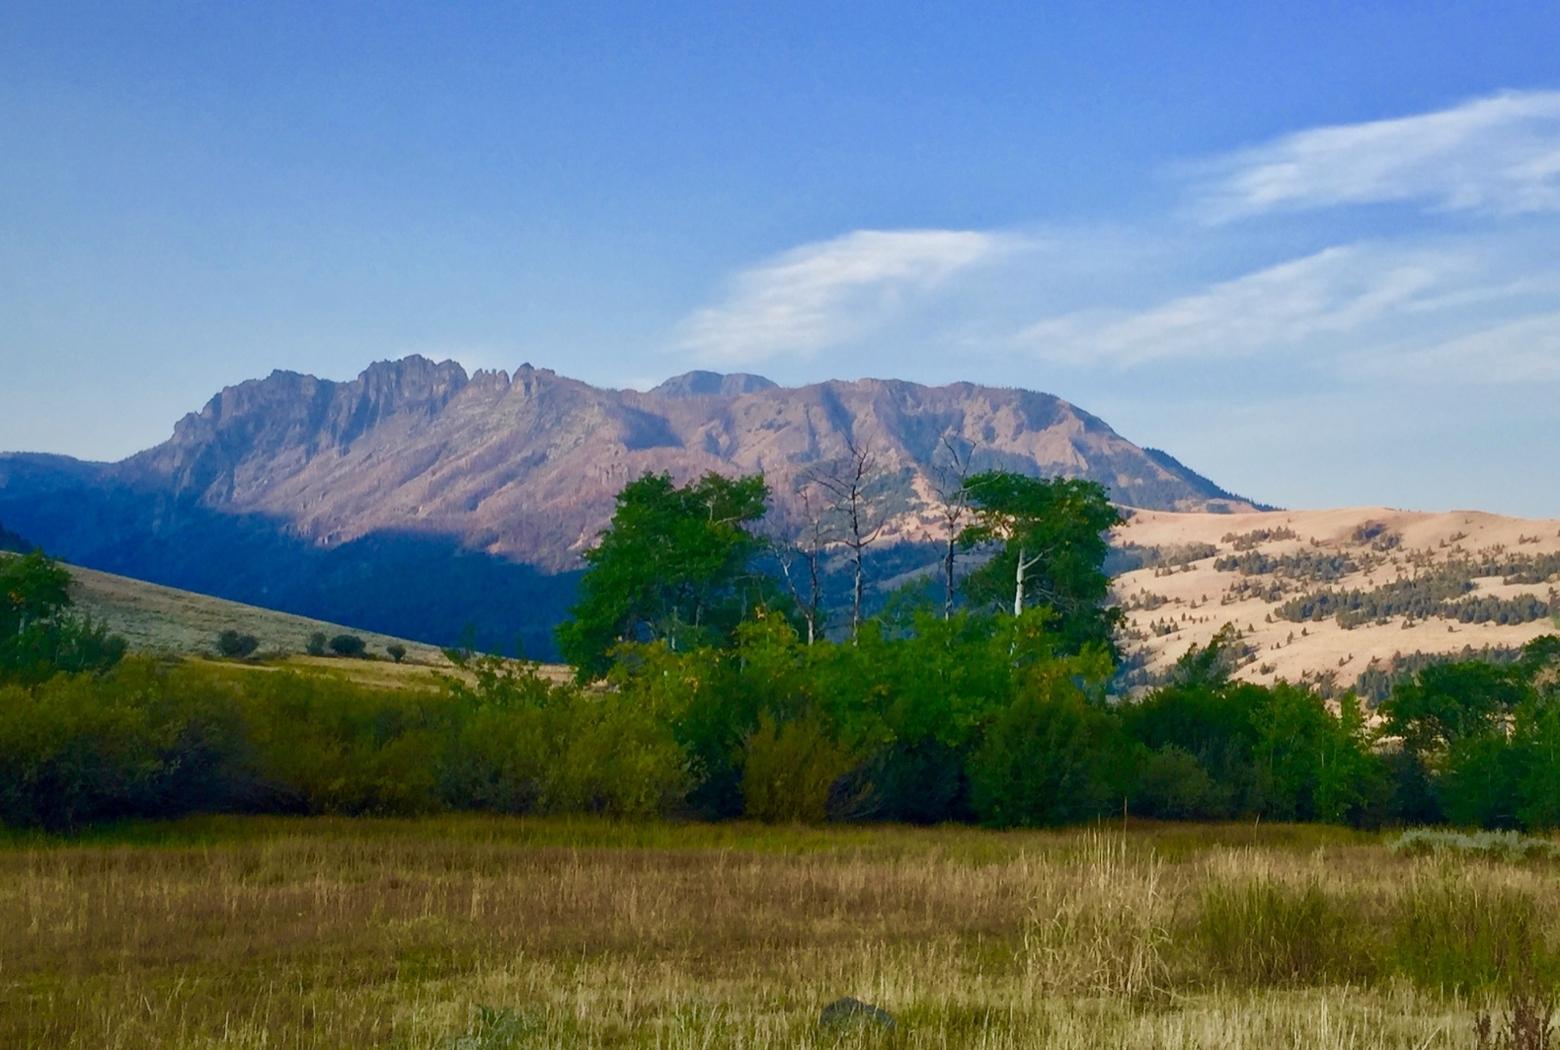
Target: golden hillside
pixel 1403 582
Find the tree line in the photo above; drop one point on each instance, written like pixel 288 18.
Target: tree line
pixel 704 691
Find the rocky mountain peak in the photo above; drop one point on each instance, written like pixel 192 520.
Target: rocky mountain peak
pixel 699 383
pixel 527 466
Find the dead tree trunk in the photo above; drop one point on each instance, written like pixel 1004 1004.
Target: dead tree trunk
pixel 949 484
pixel 848 482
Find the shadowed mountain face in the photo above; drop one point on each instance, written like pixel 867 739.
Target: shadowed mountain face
pixel 506 469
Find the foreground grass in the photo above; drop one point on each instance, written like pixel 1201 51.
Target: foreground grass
pixel 487 932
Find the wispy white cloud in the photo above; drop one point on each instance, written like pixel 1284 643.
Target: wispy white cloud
pixel 826 293
pixel 1498 155
pixel 1289 306
pixel 1525 350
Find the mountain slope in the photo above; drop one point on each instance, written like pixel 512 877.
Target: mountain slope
pixel 526 467
pixel 1421 583
pixel 417 497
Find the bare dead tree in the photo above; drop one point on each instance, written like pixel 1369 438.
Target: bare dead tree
pixel 801 560
pixel 848 483
pixel 950 474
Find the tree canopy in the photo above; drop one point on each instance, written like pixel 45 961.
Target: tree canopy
pixel 673 565
pixel 39 635
pixel 1052 542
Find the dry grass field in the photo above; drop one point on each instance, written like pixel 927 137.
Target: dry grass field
pixel 475 933
pixel 1190 599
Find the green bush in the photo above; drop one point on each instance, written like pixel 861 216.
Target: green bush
pixel 235 645
pixel 72 752
pixel 328 746
pixel 396 651
pixel 789 771
pixel 1173 785
pixel 317 644
pixel 525 744
pixel 1047 760
pixel 348 645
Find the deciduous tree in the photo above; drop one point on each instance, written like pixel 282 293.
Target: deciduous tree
pixel 1050 540
pixel 673 564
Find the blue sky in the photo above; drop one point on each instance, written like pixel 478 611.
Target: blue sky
pixel 1314 254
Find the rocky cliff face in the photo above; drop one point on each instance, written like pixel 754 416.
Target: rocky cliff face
pixel 526 466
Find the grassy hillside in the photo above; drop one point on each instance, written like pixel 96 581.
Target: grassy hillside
pixel 1337 592
pixel 160 619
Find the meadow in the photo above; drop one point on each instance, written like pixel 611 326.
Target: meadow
pixel 480 931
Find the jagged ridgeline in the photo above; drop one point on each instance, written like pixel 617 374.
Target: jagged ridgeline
pixel 418 498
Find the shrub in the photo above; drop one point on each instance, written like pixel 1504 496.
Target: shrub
pixel 140 741
pixel 1173 785
pixel 525 744
pixel 789 770
pixel 1045 761
pixel 1490 845
pixel 73 752
pixel 397 651
pixel 348 645
pixel 235 645
pixel 316 644
pixel 917 782
pixel 611 758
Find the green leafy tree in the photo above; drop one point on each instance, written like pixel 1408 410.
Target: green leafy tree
pixel 32 588
pixel 1050 535
pixel 1449 725
pixel 673 565
pixel 397 651
pixel 39 635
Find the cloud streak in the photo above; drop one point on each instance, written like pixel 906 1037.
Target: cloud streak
pixel 826 293
pixel 1526 350
pixel 1331 293
pixel 1498 155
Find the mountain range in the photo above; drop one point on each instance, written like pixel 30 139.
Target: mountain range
pixel 417 498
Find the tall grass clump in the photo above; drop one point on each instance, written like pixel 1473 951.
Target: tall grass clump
pixel 1462 931
pixel 1262 930
pixel 1099 922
